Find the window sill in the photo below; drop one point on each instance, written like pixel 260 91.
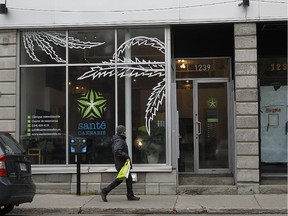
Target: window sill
pixel 57 169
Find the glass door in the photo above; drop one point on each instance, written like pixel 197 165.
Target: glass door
pixel 211 118
pixel 203 126
pixel 185 106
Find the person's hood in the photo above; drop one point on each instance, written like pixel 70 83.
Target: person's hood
pixel 115 137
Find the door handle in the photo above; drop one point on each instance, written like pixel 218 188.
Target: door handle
pixel 198 127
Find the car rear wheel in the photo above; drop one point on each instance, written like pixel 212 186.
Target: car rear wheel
pixel 6 209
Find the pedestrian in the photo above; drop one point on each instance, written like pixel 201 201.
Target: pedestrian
pixel 120 152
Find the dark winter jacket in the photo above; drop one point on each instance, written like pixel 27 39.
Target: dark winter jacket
pixel 120 151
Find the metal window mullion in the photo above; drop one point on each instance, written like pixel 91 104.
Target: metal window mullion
pixel 168 105
pixel 42 65
pixel 18 90
pixel 128 98
pixel 116 81
pixel 195 119
pixel 67 101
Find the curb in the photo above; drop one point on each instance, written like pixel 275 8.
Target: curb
pixel 203 210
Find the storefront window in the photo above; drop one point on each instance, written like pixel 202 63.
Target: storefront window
pixel 147 146
pixel 43 47
pixel 273 109
pixel 144 45
pixel 91 115
pixel 141 54
pixel 97 46
pixel 105 88
pixel 273 113
pixel 43 114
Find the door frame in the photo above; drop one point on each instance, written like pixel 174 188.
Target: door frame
pixel 230 123
pixel 196 135
pixel 230 118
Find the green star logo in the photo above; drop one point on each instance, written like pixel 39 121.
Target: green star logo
pixel 212 103
pixel 92 105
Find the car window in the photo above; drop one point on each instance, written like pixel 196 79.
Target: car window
pixel 10 145
pixel 1 151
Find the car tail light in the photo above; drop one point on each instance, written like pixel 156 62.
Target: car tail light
pixel 3 172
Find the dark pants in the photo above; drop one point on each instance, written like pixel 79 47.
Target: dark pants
pixel 117 182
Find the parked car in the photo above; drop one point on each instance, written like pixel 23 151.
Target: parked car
pixel 16 184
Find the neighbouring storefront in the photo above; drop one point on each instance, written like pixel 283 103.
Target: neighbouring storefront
pixel 273 107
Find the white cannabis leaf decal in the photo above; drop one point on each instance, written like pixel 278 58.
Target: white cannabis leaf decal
pixel 141 68
pixel 44 40
pixel 154 101
pixel 137 67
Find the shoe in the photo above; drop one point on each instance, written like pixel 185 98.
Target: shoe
pixel 103 196
pixel 133 198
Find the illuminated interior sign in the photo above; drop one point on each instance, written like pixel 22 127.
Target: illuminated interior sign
pixel 204 67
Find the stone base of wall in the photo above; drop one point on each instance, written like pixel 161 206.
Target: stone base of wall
pixel 91 183
pixel 147 184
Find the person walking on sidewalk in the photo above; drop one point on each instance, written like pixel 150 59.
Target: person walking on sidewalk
pixel 120 151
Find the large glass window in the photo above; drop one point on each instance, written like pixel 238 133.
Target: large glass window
pixel 43 47
pixel 43 114
pixel 273 114
pixel 94 46
pixel 141 70
pixel 105 87
pixel 273 109
pixel 91 114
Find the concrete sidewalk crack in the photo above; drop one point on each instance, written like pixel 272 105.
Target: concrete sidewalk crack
pixel 257 201
pixel 174 210
pixel 80 209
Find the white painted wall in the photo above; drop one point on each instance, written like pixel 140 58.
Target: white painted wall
pixel 44 13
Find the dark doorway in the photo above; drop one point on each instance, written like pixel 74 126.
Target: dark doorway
pixel 205 40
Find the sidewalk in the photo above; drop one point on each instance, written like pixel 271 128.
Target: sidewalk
pixel 163 204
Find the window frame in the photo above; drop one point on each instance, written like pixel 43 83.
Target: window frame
pixel 140 167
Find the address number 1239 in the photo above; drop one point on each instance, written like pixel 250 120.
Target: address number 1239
pixel 202 67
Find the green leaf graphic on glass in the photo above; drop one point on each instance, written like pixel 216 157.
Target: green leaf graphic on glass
pixel 92 105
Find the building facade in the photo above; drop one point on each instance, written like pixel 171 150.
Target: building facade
pixel 202 93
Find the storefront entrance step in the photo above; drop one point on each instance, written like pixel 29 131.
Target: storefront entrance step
pixel 274 180
pixel 273 189
pixel 207 189
pixel 205 180
pixel 53 188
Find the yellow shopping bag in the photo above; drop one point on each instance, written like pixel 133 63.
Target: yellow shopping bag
pixel 124 172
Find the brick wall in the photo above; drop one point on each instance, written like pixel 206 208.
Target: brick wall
pixel 247 145
pixel 8 81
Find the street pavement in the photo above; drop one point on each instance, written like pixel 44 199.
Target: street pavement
pixel 162 204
